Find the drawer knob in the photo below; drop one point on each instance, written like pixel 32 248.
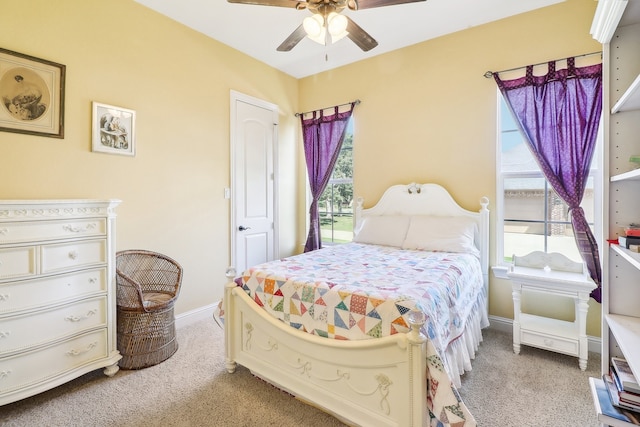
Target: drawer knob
pixel 4 334
pixel 3 231
pixel 74 318
pixel 4 374
pixel 4 297
pixel 75 352
pixel 77 229
pixel 73 254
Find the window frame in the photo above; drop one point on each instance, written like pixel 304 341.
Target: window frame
pixel 501 265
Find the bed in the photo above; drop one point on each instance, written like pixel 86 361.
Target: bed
pixel 354 329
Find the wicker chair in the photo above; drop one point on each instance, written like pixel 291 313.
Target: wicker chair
pixel 148 285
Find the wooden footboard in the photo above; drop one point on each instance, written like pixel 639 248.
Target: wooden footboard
pixel 378 382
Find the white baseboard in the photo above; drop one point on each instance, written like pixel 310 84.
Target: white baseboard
pixel 189 317
pixel 504 324
pixel 501 324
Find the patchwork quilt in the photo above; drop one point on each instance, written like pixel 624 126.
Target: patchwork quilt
pixel 358 291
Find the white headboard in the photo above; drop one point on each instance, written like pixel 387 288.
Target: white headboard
pixel 431 199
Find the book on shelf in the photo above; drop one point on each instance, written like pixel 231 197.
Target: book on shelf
pixel 615 398
pixel 625 396
pixel 627 379
pixel 627 241
pixel 607 413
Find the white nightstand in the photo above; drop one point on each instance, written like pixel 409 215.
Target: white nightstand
pixel 555 275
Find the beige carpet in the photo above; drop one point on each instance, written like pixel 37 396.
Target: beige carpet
pixel 192 388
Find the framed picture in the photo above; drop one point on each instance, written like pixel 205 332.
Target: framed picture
pixel 113 129
pixel 32 95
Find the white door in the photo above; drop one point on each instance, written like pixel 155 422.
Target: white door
pixel 253 195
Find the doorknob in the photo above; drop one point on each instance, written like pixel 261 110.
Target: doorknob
pixel 243 228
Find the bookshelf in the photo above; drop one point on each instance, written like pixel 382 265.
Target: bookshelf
pixel 632 258
pixel 630 100
pixel 627 176
pixel 616 25
pixel 626 330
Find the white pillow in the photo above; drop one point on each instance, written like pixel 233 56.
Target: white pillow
pixel 441 233
pixel 387 230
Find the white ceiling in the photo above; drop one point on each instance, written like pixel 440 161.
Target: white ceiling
pixel 259 30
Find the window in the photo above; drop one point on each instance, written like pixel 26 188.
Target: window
pixel 531 216
pixel 335 207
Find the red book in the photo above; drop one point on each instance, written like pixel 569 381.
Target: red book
pixel 625 396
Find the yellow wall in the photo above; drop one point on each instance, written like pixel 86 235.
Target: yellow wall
pixel 178 81
pixel 427 115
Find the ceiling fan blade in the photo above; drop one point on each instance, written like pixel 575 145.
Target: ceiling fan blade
pixel 293 39
pixel 296 4
pixel 370 4
pixel 360 36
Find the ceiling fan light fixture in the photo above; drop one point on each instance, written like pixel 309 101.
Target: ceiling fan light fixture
pixel 314 27
pixel 337 26
pixel 322 31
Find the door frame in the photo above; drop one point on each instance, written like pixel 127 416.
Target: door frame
pixel 240 97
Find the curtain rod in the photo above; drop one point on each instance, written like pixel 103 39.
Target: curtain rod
pixel 490 74
pixel 356 102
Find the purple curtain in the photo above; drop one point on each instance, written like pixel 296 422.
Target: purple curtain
pixel 559 114
pixel 323 135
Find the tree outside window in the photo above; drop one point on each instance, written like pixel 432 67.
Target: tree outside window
pixel 336 203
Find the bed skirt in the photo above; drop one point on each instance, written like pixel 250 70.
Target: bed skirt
pixel 462 350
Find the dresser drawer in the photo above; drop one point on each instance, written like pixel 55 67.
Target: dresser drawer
pixel 18 232
pixel 72 255
pixel 36 328
pixel 18 262
pixel 40 292
pixel 28 369
pixel 548 342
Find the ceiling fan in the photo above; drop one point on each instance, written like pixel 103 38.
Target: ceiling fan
pixel 327 25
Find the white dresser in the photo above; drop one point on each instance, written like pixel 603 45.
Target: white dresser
pixel 57 293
